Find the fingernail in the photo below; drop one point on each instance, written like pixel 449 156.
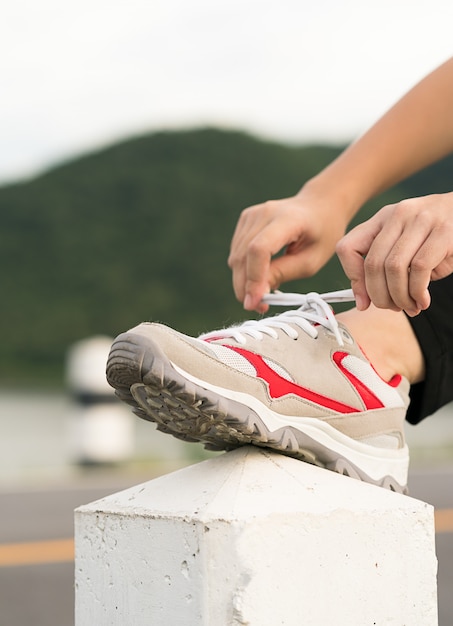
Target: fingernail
pixel 360 302
pixel 248 302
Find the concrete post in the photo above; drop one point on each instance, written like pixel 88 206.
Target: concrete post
pixel 255 538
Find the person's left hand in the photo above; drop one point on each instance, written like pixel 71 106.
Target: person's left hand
pixel 391 258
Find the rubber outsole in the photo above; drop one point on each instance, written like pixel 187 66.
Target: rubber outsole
pixel 144 378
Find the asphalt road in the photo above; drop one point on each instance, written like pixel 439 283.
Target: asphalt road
pixel 36 528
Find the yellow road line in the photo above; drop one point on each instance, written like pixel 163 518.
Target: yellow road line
pixel 62 550
pixel 37 552
pixel 444 520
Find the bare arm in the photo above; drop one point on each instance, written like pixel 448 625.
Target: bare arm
pixel 391 258
pixel 415 132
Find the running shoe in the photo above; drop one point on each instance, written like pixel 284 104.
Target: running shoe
pixel 296 382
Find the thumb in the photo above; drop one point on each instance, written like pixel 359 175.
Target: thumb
pixel 294 265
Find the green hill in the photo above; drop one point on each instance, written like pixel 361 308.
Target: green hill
pixel 137 231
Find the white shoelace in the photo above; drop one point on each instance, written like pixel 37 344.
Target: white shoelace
pixel 313 310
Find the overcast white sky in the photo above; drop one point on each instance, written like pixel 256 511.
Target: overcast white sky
pixel 78 74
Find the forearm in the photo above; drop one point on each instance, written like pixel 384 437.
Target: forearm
pixel 414 133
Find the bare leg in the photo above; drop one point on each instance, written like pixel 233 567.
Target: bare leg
pixel 387 339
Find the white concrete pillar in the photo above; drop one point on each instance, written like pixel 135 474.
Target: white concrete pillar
pixel 255 538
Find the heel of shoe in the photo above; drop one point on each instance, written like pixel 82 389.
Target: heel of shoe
pixel 125 365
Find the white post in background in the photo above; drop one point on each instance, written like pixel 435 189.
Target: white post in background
pixel 102 427
pixel 255 538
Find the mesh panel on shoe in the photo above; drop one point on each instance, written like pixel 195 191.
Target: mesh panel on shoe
pixel 388 395
pixel 279 369
pixel 232 359
pixel 238 362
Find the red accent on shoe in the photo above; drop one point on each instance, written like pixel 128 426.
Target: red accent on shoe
pixel 369 398
pixel 279 386
pixel 395 381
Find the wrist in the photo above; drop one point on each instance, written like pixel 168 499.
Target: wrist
pixel 354 177
pixel 339 197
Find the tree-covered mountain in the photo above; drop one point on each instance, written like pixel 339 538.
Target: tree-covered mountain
pixel 141 231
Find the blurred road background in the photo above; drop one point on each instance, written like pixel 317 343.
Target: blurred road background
pixel 41 483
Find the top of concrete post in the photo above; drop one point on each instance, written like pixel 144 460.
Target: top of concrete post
pixel 253 482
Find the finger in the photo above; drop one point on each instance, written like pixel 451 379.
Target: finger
pixel 237 262
pixel 254 292
pixel 432 261
pixel 418 289
pixel 249 225
pixel 351 250
pixel 399 268
pixel 410 263
pixel 238 279
pixel 251 222
pixel 375 266
pixel 258 276
pixel 302 262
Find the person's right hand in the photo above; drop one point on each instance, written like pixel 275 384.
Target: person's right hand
pixel 306 227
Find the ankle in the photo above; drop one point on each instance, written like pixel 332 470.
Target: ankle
pixel 387 339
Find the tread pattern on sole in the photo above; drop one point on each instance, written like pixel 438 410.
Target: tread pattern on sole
pixel 144 378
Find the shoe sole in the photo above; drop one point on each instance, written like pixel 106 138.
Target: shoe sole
pixel 158 391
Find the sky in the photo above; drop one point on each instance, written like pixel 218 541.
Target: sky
pixel 76 75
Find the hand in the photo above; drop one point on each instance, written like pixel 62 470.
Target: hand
pixel 304 226
pixel 392 257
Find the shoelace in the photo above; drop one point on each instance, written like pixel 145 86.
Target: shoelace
pixel 313 309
